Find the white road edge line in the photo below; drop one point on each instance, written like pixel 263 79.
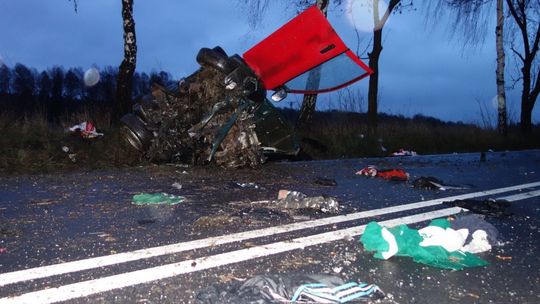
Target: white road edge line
pixel 90 287
pixel 96 262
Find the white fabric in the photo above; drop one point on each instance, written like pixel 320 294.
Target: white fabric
pixel 479 243
pixel 392 244
pixel 448 238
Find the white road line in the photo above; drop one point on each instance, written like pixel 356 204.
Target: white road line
pixel 96 262
pixel 90 287
pixel 520 196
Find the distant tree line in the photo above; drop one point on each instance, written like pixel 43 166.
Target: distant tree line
pixel 57 92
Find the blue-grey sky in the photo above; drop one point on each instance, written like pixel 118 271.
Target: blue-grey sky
pixel 422 70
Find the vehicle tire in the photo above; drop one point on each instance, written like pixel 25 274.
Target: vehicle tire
pixel 142 109
pixel 135 132
pixel 215 58
pixel 220 50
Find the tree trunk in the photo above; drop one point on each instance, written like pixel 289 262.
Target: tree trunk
pixel 526 103
pixel 374 56
pixel 526 116
pixel 531 84
pixel 310 100
pixel 127 67
pixel 501 94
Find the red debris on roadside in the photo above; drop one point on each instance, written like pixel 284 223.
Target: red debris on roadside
pixel 86 129
pixel 387 174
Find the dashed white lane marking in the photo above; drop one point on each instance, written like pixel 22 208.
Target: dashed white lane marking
pixel 91 263
pixel 87 288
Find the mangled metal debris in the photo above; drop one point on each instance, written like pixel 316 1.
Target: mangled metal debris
pixel 297 200
pixel 220 113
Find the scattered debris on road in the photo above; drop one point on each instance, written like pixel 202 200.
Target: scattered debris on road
pixel 291 288
pixel 297 200
pixel 432 183
pixel 489 207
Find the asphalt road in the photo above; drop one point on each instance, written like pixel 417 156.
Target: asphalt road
pixel 78 238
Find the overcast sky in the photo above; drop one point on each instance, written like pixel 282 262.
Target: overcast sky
pixel 422 70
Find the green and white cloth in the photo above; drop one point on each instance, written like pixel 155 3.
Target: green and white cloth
pixel 423 248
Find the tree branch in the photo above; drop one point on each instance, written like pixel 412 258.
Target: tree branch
pixel 522 24
pixel 517 53
pixel 74 5
pixel 514 14
pixel 536 42
pixel 536 90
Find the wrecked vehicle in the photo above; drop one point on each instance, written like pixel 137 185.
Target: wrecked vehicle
pixel 220 114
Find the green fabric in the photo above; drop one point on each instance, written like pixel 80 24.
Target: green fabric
pixel 408 241
pixel 156 199
pixel 373 240
pixel 442 222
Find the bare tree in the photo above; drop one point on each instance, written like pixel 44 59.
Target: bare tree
pixel 501 93
pixel 526 16
pixel 374 57
pixel 471 17
pixel 127 67
pixel 124 82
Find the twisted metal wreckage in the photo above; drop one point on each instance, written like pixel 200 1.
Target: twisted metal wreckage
pixel 220 113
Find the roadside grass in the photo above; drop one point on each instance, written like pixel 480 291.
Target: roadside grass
pixel 346 135
pixel 31 144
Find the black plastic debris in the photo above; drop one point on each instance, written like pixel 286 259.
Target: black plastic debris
pixel 330 182
pixel 489 207
pixel 291 288
pixel 428 182
pixel 432 183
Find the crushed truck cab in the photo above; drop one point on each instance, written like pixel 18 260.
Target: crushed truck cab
pixel 220 114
